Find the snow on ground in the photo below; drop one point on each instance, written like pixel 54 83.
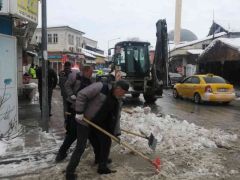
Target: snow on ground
pixel 174 135
pixel 187 151
pixel 3 147
pixel 17 159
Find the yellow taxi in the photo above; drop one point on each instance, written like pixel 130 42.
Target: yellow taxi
pixel 206 87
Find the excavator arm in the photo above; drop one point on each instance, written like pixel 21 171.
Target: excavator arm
pixel 159 67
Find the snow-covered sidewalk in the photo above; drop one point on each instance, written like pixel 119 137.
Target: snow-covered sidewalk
pixel 187 151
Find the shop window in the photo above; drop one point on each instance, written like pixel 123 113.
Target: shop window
pixel 78 41
pixel 204 46
pixel 70 39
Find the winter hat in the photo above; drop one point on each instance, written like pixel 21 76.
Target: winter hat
pixel 122 84
pixel 67 64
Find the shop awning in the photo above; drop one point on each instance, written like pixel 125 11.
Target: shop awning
pixel 32 53
pixel 83 50
pixel 195 51
pixel 88 54
pixel 80 56
pixel 90 62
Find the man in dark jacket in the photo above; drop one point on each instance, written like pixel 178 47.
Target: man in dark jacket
pixel 52 83
pixel 63 76
pixel 99 103
pixel 74 83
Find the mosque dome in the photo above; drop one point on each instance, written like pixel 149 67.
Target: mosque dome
pixel 186 35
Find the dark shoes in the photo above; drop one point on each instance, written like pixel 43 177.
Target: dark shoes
pixel 60 157
pixel 71 176
pixel 103 169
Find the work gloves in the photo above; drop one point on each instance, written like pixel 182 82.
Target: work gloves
pixel 79 117
pixel 73 97
pixel 119 139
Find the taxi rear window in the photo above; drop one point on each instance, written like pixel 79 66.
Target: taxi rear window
pixel 214 79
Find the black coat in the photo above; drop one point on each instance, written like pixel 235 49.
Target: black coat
pixel 106 117
pixel 52 78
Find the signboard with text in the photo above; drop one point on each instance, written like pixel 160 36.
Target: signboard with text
pixel 4 7
pixel 26 9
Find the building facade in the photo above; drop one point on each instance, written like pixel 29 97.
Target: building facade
pixel 185 57
pixel 67 44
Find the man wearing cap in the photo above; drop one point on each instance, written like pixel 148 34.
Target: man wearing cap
pixel 100 103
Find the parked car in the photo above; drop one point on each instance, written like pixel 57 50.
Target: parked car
pixel 205 88
pixel 175 78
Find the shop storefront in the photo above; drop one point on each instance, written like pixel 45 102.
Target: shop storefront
pixel 57 60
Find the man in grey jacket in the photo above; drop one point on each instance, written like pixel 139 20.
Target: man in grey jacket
pixel 99 103
pixel 74 83
pixel 63 76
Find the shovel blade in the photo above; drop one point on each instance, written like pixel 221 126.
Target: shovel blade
pixel 152 142
pixel 156 163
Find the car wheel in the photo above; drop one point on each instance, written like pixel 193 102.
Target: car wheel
pixel 226 103
pixel 197 98
pixel 175 94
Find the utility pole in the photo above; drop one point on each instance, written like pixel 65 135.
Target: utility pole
pixel 214 25
pixel 177 30
pixel 45 105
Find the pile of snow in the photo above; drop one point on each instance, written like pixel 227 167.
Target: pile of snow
pixel 185 149
pixel 3 147
pixel 173 135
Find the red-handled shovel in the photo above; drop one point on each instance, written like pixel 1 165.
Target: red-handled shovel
pixel 155 162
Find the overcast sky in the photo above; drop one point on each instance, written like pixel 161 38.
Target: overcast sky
pixel 103 20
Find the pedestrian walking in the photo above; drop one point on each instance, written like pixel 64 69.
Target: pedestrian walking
pixel 100 103
pixel 52 83
pixel 74 83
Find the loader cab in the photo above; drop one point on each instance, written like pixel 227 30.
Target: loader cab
pixel 132 57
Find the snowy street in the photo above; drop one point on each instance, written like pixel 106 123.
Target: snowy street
pixel 194 142
pixel 119 90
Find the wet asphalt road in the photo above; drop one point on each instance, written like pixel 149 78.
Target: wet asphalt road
pixel 209 115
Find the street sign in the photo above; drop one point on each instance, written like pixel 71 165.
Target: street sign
pixel 26 9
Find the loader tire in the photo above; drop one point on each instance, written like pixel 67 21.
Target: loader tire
pixel 175 94
pixel 149 98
